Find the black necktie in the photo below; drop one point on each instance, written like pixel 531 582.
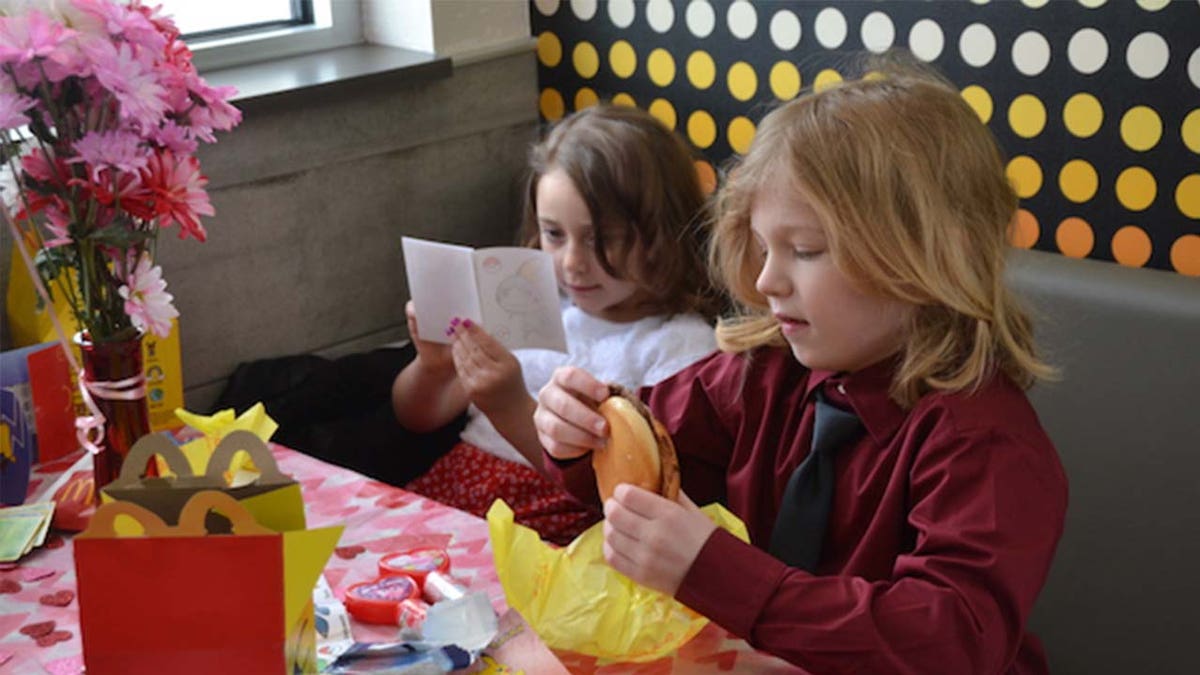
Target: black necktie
pixel 804 511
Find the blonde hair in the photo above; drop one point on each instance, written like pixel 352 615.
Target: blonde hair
pixel 911 189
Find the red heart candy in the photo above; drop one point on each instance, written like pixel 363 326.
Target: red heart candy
pixel 58 599
pixel 37 630
pixel 9 586
pixel 349 552
pixel 52 638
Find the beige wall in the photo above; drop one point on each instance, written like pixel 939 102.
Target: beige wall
pixel 313 192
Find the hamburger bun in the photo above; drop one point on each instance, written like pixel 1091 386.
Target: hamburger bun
pixel 639 450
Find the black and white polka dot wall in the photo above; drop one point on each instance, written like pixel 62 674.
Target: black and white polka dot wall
pixel 1095 102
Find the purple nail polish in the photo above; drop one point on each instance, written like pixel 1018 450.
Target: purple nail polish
pixel 466 323
pixel 454 321
pixel 449 332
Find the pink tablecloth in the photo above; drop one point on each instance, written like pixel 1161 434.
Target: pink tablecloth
pixel 39 618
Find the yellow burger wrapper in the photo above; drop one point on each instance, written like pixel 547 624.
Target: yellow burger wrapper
pixel 576 602
pixel 215 427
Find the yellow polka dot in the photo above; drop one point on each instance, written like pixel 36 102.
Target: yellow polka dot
pixel 661 67
pixel 1025 229
pixel 1136 188
pixel 585 98
pixel 622 59
pixel 701 129
pixel 1185 255
pixel 586 60
pixel 1025 174
pixel 664 111
pixel 825 79
pixel 1083 115
pixel 1131 246
pixel 1189 131
pixel 707 176
pixel 785 81
pixel 1187 196
pixel 1074 237
pixel 624 99
pixel 1141 128
pixel 742 81
pixel 740 134
pixel 551 104
pixel 874 76
pixel 701 70
pixel 979 99
pixel 1078 181
pixel 549 49
pixel 1027 116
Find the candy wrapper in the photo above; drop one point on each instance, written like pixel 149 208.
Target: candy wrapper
pixel 576 602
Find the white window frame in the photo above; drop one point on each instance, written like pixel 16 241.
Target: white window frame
pixel 336 23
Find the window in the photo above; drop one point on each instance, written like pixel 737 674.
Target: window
pixel 224 33
pixel 198 20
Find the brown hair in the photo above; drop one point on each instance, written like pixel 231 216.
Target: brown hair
pixel 634 174
pixel 911 189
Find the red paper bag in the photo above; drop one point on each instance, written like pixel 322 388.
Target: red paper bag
pixel 180 601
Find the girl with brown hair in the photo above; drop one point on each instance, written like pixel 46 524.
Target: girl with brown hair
pixel 613 196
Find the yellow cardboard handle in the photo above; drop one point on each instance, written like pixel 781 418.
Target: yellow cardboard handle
pixel 146 447
pixel 240 439
pixel 191 518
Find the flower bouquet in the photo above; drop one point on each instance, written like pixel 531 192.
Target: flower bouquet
pixel 101 112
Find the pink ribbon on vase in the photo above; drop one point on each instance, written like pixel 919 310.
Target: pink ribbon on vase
pixel 128 389
pixel 89 429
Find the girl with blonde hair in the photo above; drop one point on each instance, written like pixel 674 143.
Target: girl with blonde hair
pixel 867 417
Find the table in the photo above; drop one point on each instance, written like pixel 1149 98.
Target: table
pixel 378 519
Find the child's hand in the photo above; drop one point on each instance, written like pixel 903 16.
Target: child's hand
pixel 566 419
pixel 435 357
pixel 651 539
pixel 488 372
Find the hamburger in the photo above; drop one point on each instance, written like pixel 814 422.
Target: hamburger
pixel 639 450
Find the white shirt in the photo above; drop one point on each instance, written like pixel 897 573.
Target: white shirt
pixel 635 354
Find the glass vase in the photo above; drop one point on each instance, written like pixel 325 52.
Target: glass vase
pixel 126 419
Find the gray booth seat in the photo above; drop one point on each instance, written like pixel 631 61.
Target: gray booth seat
pixel 1124 591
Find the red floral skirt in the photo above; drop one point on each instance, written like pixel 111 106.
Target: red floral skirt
pixel 470 479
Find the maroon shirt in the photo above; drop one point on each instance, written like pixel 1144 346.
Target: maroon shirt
pixel 944 521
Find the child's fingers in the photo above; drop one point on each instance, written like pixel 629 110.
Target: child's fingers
pixel 642 503
pixel 563 403
pixel 580 381
pixel 618 559
pixel 561 438
pixel 410 316
pixel 483 341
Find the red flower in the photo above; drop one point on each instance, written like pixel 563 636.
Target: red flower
pixel 178 192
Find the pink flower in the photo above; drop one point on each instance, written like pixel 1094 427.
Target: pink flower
pixel 179 194
pixel 129 22
pixel 12 109
pixel 28 36
pixel 120 149
pixel 174 138
pixel 118 110
pixel 129 75
pixel 147 301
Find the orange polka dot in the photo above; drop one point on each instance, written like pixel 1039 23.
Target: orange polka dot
pixel 551 104
pixel 1075 237
pixel 707 176
pixel 1185 255
pixel 1131 246
pixel 1025 230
